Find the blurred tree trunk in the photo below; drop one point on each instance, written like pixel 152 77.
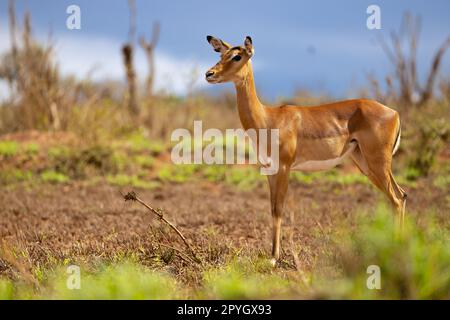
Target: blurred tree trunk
pixel 127 51
pixel 128 54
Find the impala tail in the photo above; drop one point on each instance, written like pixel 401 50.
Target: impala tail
pixel 397 140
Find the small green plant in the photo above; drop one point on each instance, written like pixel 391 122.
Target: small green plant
pixel 302 178
pixel 131 180
pixel 121 281
pixel 348 179
pixel 332 176
pixel 116 281
pixel 58 152
pixel 177 173
pixel 214 173
pixel 245 178
pixel 237 281
pixel 31 148
pixel 139 143
pixel 412 173
pixel 6 289
pixel 54 177
pixel 8 148
pixel 14 175
pixel 85 162
pixel 442 182
pixel 143 161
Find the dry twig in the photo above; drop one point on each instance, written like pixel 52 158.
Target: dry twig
pixel 133 197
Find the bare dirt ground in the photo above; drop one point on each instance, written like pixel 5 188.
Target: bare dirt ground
pixel 85 222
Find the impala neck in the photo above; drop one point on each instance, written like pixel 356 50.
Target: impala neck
pixel 251 110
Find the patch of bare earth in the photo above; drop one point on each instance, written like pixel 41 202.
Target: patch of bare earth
pixel 93 223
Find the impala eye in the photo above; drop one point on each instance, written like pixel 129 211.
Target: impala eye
pixel 236 58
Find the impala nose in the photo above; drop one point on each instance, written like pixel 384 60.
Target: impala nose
pixel 209 74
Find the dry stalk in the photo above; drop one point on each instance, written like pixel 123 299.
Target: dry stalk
pixel 133 197
pixel 291 241
pixel 293 249
pixel 7 255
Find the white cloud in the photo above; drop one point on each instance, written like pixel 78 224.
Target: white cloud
pixel 101 57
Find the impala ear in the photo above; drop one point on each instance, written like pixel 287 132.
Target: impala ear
pixel 217 44
pixel 248 44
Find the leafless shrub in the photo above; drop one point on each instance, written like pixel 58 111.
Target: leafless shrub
pixel 404 87
pixel 131 196
pixel 149 49
pixel 40 97
pixel 32 75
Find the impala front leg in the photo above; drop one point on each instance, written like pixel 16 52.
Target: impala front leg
pixel 278 188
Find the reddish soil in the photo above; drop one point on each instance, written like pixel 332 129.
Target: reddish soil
pixel 90 223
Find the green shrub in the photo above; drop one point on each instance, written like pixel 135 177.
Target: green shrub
pixel 31 148
pixel 433 133
pixel 145 162
pixel 442 182
pixel 332 176
pixel 54 177
pixel 214 173
pixel 117 281
pixel 237 281
pixel 413 264
pixel 14 175
pixel 8 148
pixel 138 143
pixel 6 289
pixel 83 163
pixel 131 180
pixel 245 178
pixel 122 281
pixel 177 173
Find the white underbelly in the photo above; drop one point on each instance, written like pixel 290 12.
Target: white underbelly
pixel 319 165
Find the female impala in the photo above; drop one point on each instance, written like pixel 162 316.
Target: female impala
pixel 313 138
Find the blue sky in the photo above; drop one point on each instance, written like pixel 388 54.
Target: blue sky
pixel 318 45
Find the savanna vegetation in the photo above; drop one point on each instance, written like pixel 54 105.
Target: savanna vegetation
pixel 70 149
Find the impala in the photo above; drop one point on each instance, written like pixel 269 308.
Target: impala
pixel 313 138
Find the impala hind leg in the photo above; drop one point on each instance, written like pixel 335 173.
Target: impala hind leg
pixel 382 177
pixel 378 170
pixel 359 160
pixel 278 184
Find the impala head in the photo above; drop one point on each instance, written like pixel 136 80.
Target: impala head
pixel 233 63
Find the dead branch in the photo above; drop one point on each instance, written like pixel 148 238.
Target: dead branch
pixel 159 213
pixel 149 49
pixel 132 27
pixel 13 29
pixel 427 92
pixel 404 60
